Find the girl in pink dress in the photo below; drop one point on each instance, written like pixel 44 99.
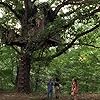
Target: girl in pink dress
pixel 74 89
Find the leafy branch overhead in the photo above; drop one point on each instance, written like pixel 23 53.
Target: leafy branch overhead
pixel 47 24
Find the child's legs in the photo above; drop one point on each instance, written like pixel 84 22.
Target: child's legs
pixel 75 97
pixel 50 95
pixel 57 93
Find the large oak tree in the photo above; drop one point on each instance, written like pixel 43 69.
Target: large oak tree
pixel 57 23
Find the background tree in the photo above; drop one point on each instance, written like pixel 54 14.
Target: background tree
pixel 41 27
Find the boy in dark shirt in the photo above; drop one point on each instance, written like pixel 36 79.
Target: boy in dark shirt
pixel 50 89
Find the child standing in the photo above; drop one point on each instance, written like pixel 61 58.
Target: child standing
pixel 50 89
pixel 57 88
pixel 74 89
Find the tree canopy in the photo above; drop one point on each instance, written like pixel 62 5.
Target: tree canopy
pixel 42 31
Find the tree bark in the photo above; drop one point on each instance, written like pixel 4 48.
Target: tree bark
pixel 23 82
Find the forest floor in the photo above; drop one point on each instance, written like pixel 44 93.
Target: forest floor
pixel 16 96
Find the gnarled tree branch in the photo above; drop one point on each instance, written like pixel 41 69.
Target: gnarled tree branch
pixel 69 44
pixel 10 8
pixel 16 50
pixel 34 1
pixel 86 44
pixel 10 37
pixel 82 17
pixel 28 8
pixel 71 2
pixel 77 37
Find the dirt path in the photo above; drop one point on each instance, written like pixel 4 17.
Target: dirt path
pixel 15 96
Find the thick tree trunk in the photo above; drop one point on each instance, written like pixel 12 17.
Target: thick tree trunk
pixel 23 81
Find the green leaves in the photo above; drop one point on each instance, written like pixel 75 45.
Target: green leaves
pixel 82 63
pixel 7 67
